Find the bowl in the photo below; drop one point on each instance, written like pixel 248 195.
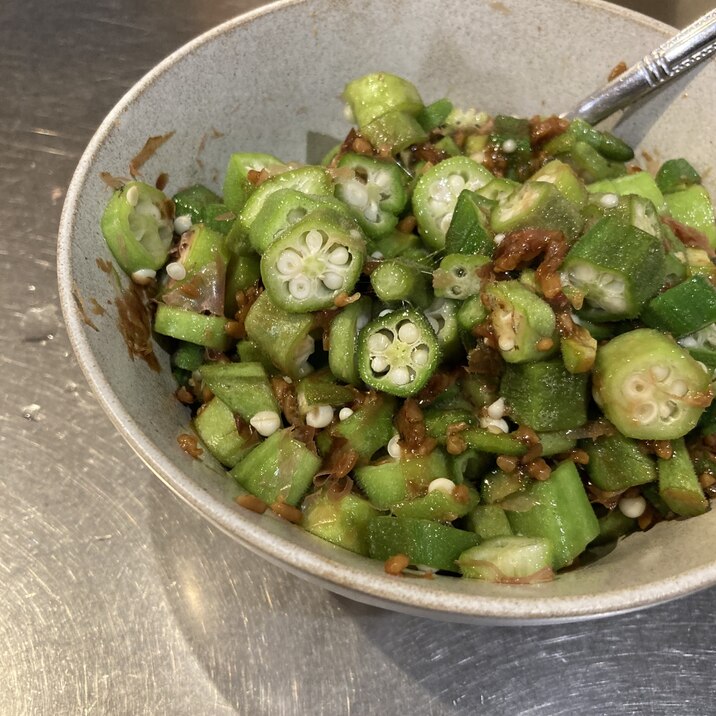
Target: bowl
pixel 269 80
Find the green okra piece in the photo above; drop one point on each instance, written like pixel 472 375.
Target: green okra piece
pixel 397 280
pixel 370 428
pixel 498 189
pixel 458 276
pixel 282 336
pixel 216 426
pixel 544 395
pixel 343 522
pixel 641 184
pixel 137 225
pixel 243 387
pixel 524 325
pixel 612 526
pixel 586 161
pixel 442 317
pixel 398 352
pixel 679 485
pixel 218 217
pixel 391 483
pixel 617 268
pixel 693 207
pixel 242 272
pixel 377 93
pixel 193 201
pixel 374 190
pixel 321 388
pixel 701 345
pixel 400 244
pixel 438 505
pixel 579 350
pixel 511 137
pixel 686 308
pixel 508 558
pixel 609 146
pixel 248 352
pixel 437 422
pixel 424 542
pixel 675 175
pixel 309 180
pixel 648 386
pixel 537 204
pixel 475 145
pixel 188 356
pixel 237 187
pixel 565 179
pixel 313 262
pixel 343 340
pixel 448 145
pixel 394 131
pixel 561 513
pixel 494 443
pixel 488 521
pixel 471 313
pixel 434 114
pixel 436 193
pixel 192 327
pixel 498 485
pixel 278 469
pixel 469 231
pixel 632 209
pixel 469 466
pixel 617 463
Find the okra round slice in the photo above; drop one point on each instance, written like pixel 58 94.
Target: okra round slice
pixel 442 317
pixel 524 324
pixel 398 352
pixel 565 179
pixel 537 204
pixel 375 192
pixel 343 339
pixel 316 259
pixel 648 386
pixel 138 227
pixel 436 195
pixel 375 94
pixel 458 276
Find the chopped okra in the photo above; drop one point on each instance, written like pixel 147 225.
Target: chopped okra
pixel 453 346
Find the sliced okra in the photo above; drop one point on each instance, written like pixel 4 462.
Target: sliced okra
pixel 216 426
pixel 586 161
pixel 192 327
pixel 398 352
pixel 507 558
pixel 488 521
pixel 470 314
pixel 437 192
pixel 370 427
pixel 458 276
pixel 469 231
pixel 321 389
pixel 679 485
pixel 284 337
pixel 511 137
pixel 579 350
pixel 394 131
pixel 675 175
pixel 375 192
pixel 448 145
pixel 684 309
pixel 524 324
pixel 648 386
pixel 434 114
pixel 537 205
pixel 498 189
pixel 343 339
pixel 237 187
pixel 372 95
pixel 398 280
pixel 314 261
pixel 442 317
pixel 137 225
pixel 193 201
pixel 641 184
pixel 702 345
pixel 605 143
pixel 241 273
pixel 397 243
pixel 564 178
pixel 617 268
pixel 440 505
pixel 617 463
pixel 693 207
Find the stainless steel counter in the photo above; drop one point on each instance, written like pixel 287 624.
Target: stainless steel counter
pixel 115 598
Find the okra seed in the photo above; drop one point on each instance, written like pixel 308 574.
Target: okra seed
pixel 445 222
pixel 344 413
pixel 295 215
pixel 646 413
pixel 265 422
pixel 356 194
pixel 319 416
pixel 669 409
pixel 689 342
pixel 440 192
pixel 372 212
pixel 182 223
pixel 288 262
pixel 633 507
pixel 144 276
pixel 506 343
pixel 433 323
pixel 400 375
pixel 609 201
pixel 379 364
pixel 441 484
pixel 176 271
pixel 132 196
pixel 582 273
pixel 299 287
pixel 679 388
pixel 456 183
pixel 408 332
pixel 339 256
pixel 634 386
pixel 394 448
pixel 495 426
pixel 509 146
pixel 499 238
pixel 332 280
pixel 377 255
pixel 420 355
pixel 378 342
pixel 385 312
pixel 314 241
pixel 496 410
pixel 660 372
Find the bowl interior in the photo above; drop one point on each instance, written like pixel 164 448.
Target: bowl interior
pixel 268 81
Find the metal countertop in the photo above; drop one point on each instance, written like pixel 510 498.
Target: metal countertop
pixel 115 598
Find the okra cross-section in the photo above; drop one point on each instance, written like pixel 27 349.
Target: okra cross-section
pixel 318 258
pixel 649 386
pixel 398 352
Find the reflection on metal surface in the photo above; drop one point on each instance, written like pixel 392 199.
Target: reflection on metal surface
pixel 118 599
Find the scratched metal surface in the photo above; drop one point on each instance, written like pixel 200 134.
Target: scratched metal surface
pixel 117 599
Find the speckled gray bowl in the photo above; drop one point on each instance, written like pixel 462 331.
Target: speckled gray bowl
pixel 265 80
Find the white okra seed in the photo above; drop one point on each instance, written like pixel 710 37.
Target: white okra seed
pixel 442 484
pixel 660 372
pixel 314 241
pixel 379 364
pixel 176 271
pixel 408 333
pixel 299 287
pixel 506 343
pixel 288 262
pixel 400 375
pixel 344 413
pixel 632 506
pixel 496 410
pixel 319 416
pixel 378 342
pixel 499 238
pixel 394 448
pixel 509 146
pixel 679 388
pixel 182 223
pixel 332 280
pixel 265 422
pixel 132 195
pixel 420 355
pixel 609 201
pixel 339 256
pixel 143 276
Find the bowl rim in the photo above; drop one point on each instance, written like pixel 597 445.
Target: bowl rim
pixel 382 590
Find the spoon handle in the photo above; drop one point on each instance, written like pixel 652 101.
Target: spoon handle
pixel 687 49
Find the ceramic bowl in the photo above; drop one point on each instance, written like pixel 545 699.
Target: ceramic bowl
pixel 268 80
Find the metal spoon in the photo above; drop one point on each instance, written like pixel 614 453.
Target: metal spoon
pixel 687 49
